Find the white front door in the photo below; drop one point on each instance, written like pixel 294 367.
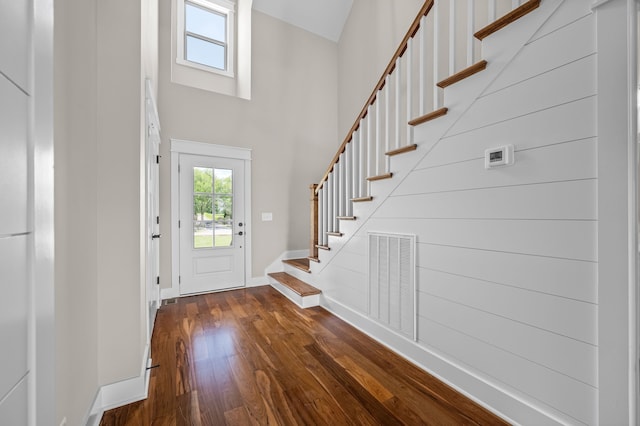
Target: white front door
pixel 212 249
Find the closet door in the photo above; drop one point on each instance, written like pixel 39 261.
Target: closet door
pixel 16 235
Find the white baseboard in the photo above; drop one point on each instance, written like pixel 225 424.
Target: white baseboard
pixel 169 293
pixel 506 403
pixel 257 282
pixel 120 393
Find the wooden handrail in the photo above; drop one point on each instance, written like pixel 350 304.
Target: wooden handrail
pixel 424 10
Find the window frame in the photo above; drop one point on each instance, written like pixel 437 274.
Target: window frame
pixel 220 7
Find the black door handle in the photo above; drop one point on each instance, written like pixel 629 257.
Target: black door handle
pixel 154 236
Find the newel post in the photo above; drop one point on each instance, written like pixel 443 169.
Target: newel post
pixel 313 250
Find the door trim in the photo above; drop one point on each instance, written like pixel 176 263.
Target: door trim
pixel 177 147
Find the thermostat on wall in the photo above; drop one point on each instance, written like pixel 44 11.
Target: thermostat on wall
pixel 500 156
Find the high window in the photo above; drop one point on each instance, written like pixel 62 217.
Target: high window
pixel 211 45
pixel 206 35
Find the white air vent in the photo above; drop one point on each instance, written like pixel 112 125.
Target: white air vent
pixel 392 290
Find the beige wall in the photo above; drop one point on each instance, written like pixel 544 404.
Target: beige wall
pixel 100 333
pixel 118 190
pixel 371 34
pixel 289 123
pixel 76 240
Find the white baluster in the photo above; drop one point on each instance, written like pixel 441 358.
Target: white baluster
pixel 398 74
pixel 452 37
pixel 339 191
pixel 514 4
pixel 330 199
pixel 363 158
pixel 348 177
pixel 336 195
pixel 379 136
pixel 421 64
pixel 325 213
pixel 492 11
pixel 355 141
pixel 409 59
pixel 343 183
pixel 471 14
pixel 436 53
pixel 387 120
pixel 370 148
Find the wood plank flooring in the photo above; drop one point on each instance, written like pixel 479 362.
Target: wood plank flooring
pixel 251 357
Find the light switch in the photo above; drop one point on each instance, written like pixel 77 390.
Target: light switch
pixel 267 216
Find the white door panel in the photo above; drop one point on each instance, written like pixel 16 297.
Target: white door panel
pixel 13 158
pixel 14 409
pixel 212 249
pixel 13 311
pixel 14 40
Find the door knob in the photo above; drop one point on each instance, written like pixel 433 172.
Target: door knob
pixel 154 236
pixel 240 233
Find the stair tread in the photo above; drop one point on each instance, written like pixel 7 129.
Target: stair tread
pixel 380 177
pixel 510 17
pixel 402 150
pixel 461 75
pixel 428 117
pixel 302 264
pixel 361 199
pixel 297 286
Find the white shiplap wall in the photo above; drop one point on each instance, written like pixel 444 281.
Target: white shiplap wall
pixel 507 258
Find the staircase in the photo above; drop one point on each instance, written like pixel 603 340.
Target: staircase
pixel 410 94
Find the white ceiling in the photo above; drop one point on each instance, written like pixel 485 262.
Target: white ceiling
pixel 322 17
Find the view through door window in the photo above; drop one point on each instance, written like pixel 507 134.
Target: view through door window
pixel 212 207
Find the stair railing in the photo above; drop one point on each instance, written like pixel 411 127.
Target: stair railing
pixel 441 41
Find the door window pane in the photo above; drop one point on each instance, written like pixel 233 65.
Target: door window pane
pixel 223 207
pixel 202 207
pixel 212 207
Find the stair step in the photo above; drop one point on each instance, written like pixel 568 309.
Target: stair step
pixel 346 218
pixel 361 199
pixel 461 75
pixel 323 247
pixel 380 177
pixel 402 150
pixel 335 234
pixel 427 117
pixel 510 17
pixel 299 292
pixel 302 264
pixel 298 286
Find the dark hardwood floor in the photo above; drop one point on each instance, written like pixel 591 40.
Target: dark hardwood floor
pixel 251 357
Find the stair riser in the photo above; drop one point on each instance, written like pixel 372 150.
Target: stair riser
pixel 299 274
pixel 303 302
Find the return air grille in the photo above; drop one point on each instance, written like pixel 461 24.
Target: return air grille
pixel 392 290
